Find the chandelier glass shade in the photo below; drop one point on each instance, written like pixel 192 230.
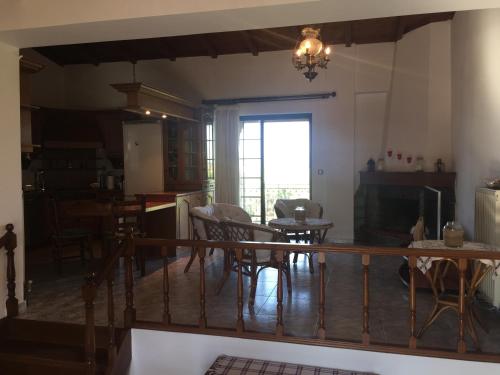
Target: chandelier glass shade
pixel 310 53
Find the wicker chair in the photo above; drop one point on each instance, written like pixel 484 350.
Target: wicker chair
pixel 205 220
pixel 254 262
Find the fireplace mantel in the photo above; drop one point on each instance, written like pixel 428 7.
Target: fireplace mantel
pixel 434 179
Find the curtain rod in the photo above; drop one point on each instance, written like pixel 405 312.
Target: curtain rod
pixel 260 99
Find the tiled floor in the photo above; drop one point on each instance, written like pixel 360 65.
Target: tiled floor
pixel 59 299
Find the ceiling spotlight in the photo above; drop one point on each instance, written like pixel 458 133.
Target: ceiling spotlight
pixel 148 112
pixel 163 116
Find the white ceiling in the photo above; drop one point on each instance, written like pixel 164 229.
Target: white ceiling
pixel 30 23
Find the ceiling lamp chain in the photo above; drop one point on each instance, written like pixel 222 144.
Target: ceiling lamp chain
pixel 310 53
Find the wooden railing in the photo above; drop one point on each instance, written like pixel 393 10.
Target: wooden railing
pixel 89 293
pixel 9 242
pixel 280 250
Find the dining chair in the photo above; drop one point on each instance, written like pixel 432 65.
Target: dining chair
pixel 255 261
pixel 64 237
pixel 127 216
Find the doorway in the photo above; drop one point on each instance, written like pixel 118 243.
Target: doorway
pixel 275 162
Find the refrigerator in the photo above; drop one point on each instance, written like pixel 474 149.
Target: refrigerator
pixel 143 157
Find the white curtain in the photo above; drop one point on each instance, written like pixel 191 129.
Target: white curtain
pixel 227 136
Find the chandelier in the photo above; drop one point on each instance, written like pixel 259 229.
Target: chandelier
pixel 310 53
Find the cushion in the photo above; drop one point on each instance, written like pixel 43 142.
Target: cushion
pixel 239 366
pixel 203 212
pixel 226 211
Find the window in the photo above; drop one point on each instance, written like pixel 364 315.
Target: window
pixel 210 150
pixel 274 162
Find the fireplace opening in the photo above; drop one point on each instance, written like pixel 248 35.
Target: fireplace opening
pixel 387 205
pixel 398 215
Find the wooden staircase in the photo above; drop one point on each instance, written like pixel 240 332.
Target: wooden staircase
pixel 35 347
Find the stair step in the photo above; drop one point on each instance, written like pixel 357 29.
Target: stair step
pixel 49 351
pixel 25 356
pixel 30 347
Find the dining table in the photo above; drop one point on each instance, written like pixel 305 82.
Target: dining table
pixel 159 216
pixel 316 227
pixel 436 268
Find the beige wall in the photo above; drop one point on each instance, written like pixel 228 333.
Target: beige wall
pixel 347 130
pixel 11 206
pixel 476 109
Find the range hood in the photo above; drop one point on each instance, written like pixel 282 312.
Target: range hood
pixel 153 102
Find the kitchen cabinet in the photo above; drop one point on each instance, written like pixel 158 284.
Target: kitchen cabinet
pixel 183 154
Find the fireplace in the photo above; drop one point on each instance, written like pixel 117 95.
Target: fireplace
pixel 388 204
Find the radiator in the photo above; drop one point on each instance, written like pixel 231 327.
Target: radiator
pixel 487 230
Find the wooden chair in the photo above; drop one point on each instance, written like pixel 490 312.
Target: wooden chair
pixel 127 216
pixel 286 208
pixel 450 301
pixel 254 261
pixel 63 237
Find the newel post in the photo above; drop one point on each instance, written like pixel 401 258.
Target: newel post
pixel 9 241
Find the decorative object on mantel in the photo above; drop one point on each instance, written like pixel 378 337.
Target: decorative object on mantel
pixel 453 234
pixel 371 165
pixel 493 183
pixel 380 164
pixel 310 53
pixel 419 165
pixel 439 166
pixel 389 153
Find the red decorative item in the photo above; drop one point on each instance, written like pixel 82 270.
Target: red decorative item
pixel 409 159
pixel 389 153
pixel 399 155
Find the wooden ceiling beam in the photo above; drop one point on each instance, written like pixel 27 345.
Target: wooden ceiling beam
pixel 250 43
pixel 400 28
pixel 166 50
pixel 348 34
pixel 388 29
pixel 210 47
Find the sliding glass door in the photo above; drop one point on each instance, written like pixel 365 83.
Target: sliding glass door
pixel 274 162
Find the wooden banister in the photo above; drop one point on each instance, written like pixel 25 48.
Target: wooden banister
pixel 203 316
pixel 89 292
pixel 279 296
pixel 461 257
pixel 327 248
pixel 9 242
pixel 322 266
pixel 365 334
pixel 240 325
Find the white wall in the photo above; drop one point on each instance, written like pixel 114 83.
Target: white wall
pixel 11 205
pixel 54 22
pixel 476 110
pixel 347 130
pixel 156 353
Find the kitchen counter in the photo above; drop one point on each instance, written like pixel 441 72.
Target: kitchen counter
pixel 155 206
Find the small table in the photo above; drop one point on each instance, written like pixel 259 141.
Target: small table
pixel 317 227
pixel 442 301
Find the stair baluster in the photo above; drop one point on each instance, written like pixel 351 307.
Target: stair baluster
pixel 9 242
